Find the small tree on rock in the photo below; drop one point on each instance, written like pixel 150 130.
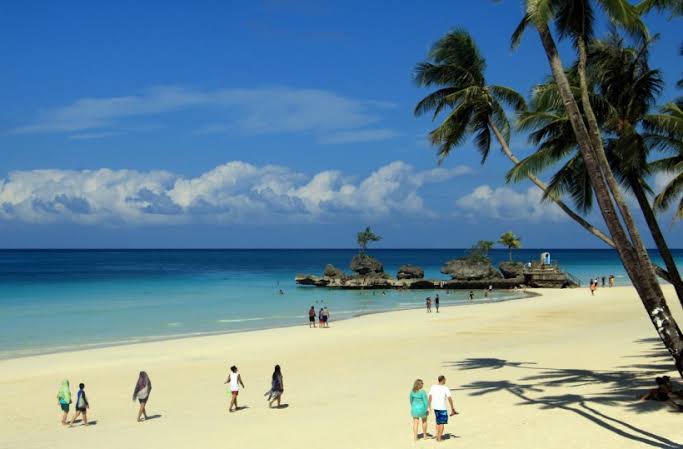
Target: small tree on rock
pixel 511 241
pixel 365 237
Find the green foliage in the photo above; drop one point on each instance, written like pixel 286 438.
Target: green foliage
pixel 479 252
pixel 511 241
pixel 456 68
pixel 365 237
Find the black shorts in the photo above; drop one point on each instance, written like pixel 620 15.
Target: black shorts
pixel 142 401
pixel 311 319
pixel 81 409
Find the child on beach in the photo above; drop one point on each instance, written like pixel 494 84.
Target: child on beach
pixel 419 405
pixel 594 286
pixel 428 303
pixel 235 380
pixel 143 388
pixel 82 405
pixel 64 398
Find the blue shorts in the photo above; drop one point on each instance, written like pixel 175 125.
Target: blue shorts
pixel 441 416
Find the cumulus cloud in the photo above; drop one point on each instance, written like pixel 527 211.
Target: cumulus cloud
pixel 236 192
pixel 504 203
pixel 332 117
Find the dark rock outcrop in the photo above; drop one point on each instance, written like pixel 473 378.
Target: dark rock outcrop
pixel 365 265
pixel 465 270
pixel 332 272
pixel 511 270
pixel 410 272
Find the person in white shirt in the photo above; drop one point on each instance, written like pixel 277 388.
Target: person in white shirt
pixel 235 380
pixel 439 398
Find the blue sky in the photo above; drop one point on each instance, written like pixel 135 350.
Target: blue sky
pixel 274 123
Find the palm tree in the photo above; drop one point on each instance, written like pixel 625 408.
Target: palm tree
pixel 667 133
pixel 625 89
pixel 456 67
pixel 574 19
pixel 511 241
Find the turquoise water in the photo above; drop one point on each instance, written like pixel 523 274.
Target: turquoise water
pixel 62 300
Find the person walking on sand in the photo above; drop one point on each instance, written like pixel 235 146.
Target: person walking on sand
pixel 277 387
pixel 64 399
pixel 436 302
pixel 143 388
pixel 419 408
pixel 594 286
pixel 603 281
pixel 428 303
pixel 611 280
pixel 311 317
pixel 235 380
pixel 82 406
pixel 439 396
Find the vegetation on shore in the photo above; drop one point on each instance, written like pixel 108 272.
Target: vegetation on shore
pixel 594 118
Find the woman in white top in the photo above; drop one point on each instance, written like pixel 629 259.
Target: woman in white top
pixel 235 381
pixel 142 390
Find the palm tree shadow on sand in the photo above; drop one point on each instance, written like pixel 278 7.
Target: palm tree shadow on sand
pixel 622 388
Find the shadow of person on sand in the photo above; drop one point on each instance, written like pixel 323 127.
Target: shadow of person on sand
pixel 623 388
pixel 150 417
pixel 281 406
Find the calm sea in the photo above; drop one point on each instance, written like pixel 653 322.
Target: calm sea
pixel 60 300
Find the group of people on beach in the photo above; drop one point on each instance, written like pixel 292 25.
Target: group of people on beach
pixel 323 317
pixel 143 388
pixel 437 401
pixel 594 283
pixel 273 396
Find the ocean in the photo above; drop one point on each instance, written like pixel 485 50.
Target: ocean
pixel 59 300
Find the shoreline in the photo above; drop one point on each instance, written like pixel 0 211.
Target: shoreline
pixel 138 340
pixel 559 371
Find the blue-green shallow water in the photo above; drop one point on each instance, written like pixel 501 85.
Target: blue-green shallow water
pixel 67 299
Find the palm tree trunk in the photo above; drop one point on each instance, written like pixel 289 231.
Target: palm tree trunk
pixel 562 205
pixel 603 165
pixel 658 237
pixel 638 268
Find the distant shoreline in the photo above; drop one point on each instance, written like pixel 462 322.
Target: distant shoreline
pixel 136 340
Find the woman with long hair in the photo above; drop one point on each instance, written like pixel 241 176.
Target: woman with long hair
pixel 277 387
pixel 419 408
pixel 143 388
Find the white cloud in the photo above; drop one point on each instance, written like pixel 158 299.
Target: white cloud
pixel 255 111
pixel 236 192
pixel 503 203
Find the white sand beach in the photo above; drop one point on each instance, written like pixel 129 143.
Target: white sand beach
pixel 557 371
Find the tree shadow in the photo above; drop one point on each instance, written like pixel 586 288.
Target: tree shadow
pixel 622 387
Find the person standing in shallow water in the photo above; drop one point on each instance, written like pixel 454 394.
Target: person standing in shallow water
pixel 419 408
pixel 235 380
pixel 143 388
pixel 321 319
pixel 311 317
pixel 64 399
pixel 436 302
pixel 428 303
